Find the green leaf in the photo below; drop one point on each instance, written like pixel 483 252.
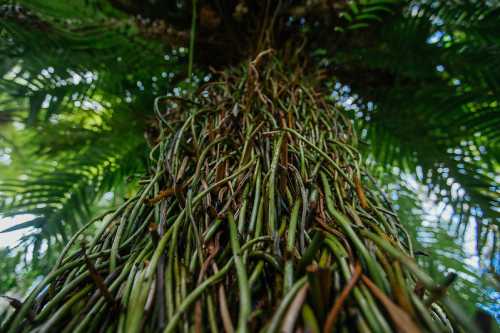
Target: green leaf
pixel 29 224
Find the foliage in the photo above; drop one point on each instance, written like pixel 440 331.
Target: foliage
pixel 427 103
pixel 80 95
pixel 433 230
pixel 68 69
pixel 8 264
pixel 79 81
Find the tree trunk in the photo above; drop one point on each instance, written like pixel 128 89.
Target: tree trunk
pixel 257 215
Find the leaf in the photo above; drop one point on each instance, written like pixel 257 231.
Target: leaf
pixel 353 6
pixel 368 17
pixel 346 15
pixel 358 26
pixel 29 224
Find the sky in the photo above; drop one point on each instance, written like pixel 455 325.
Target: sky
pixel 10 239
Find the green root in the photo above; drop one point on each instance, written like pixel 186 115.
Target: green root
pixel 257 217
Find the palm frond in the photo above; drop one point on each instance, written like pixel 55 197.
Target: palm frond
pixel 78 82
pixel 54 67
pixel 437 245
pixel 429 103
pixel 60 192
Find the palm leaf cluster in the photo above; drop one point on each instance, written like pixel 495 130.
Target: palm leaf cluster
pixel 433 111
pixel 437 250
pixel 78 95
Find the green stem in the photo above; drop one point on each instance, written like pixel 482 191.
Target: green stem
pixel 273 327
pixel 245 301
pixel 193 296
pixel 191 40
